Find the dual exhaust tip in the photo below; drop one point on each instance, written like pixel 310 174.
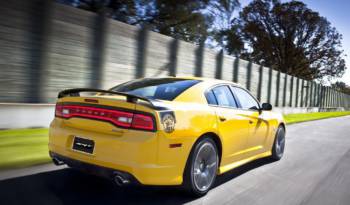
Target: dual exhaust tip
pixel 118 178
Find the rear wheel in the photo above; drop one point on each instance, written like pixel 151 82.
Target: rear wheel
pixel 201 168
pixel 279 144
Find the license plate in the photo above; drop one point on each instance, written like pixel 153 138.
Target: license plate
pixel 83 145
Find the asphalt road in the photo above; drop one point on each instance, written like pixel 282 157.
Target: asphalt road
pixel 315 170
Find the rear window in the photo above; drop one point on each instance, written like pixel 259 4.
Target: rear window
pixel 160 88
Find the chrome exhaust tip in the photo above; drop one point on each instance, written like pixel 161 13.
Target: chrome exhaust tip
pixel 57 162
pixel 120 180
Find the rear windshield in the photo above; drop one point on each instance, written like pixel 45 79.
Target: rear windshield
pixel 158 88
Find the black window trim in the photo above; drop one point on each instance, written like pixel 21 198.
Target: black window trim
pixel 217 105
pixel 239 106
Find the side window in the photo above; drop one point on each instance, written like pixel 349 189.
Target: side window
pixel 211 98
pixel 245 99
pixel 224 97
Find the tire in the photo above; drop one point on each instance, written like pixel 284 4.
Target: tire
pixel 201 167
pixel 279 144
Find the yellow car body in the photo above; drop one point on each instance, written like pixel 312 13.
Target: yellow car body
pixel 159 157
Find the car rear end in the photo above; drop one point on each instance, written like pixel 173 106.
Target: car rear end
pixel 115 136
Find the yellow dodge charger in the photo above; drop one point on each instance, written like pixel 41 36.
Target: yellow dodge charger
pixel 164 131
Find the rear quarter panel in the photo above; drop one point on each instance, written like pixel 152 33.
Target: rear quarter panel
pixel 192 121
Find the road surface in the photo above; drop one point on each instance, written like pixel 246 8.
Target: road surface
pixel 315 170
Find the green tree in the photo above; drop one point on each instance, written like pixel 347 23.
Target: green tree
pixel 189 20
pixel 181 19
pixel 122 10
pixel 224 30
pixel 288 37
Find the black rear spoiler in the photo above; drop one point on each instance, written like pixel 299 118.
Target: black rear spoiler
pixel 76 92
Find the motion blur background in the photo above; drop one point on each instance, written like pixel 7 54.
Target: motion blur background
pixel 291 54
pixel 285 53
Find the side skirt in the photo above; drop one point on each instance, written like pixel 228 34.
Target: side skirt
pixel 228 167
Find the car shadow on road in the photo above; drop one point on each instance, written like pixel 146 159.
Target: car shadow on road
pixel 69 186
pixel 230 175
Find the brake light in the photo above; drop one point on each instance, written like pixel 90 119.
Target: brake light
pixel 144 122
pixel 123 119
pixel 58 110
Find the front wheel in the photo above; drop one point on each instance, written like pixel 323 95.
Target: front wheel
pixel 201 168
pixel 279 144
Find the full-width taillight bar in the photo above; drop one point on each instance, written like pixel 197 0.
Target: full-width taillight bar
pixel 124 119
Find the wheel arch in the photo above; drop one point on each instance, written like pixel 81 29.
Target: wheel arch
pixel 187 182
pixel 216 139
pixel 283 125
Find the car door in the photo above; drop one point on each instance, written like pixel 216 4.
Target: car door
pixel 258 127
pixel 232 125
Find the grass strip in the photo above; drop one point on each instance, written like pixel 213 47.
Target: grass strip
pixel 302 117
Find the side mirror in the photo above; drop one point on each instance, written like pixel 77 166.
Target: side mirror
pixel 266 106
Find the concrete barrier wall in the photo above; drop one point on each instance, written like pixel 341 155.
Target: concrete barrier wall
pixel 22 115
pixel 47 47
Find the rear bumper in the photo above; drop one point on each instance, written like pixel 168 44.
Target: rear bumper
pixel 95 169
pixel 144 155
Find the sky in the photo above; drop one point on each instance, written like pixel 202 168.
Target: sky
pixel 338 14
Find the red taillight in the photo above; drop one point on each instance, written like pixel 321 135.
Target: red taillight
pixel 119 118
pixel 144 122
pixel 58 111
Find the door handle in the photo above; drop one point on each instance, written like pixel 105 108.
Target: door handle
pixel 222 118
pixel 250 121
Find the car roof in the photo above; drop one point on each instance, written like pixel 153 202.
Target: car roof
pixel 196 91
